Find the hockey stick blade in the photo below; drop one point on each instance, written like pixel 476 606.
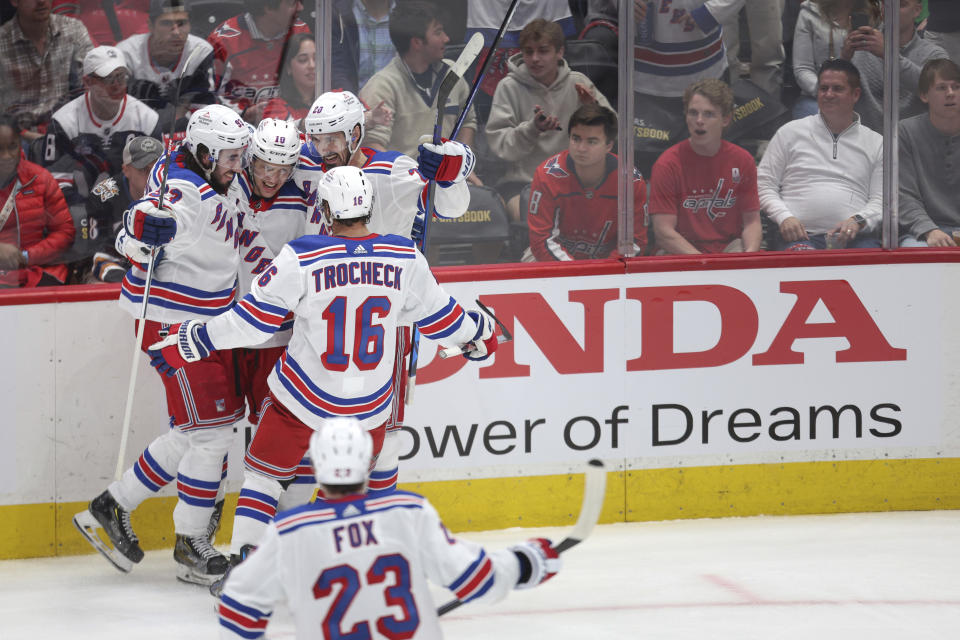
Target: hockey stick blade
pixel 87 525
pixel 505 336
pixel 594 489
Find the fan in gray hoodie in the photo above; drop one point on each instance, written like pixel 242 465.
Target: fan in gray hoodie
pixel 530 111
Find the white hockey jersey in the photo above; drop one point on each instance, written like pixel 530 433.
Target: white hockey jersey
pixel 399 191
pixel 349 295
pixel 196 276
pixel 95 145
pixel 360 564
pixel 196 76
pixel 265 226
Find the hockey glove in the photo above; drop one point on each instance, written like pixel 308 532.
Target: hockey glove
pixel 419 225
pixel 186 343
pixel 447 163
pixel 148 224
pixel 484 342
pixel 538 562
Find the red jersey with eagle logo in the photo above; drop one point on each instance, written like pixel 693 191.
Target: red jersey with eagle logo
pixel 708 194
pixel 246 64
pixel 568 222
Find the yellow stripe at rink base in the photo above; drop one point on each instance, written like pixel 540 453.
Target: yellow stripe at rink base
pixel 635 495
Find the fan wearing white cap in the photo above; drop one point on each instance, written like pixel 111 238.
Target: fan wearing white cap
pixel 93 128
pixel 355 561
pixel 194 276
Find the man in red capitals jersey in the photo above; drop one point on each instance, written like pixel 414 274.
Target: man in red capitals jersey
pixel 194 276
pixel 349 291
pixel 704 189
pixel 572 213
pixel 247 52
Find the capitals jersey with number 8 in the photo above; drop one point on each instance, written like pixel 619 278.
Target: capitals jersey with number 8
pixel 348 296
pixel 358 567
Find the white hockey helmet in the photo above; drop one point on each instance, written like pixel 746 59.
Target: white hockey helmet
pixel 276 141
pixel 341 452
pixel 347 193
pixel 216 127
pixel 336 111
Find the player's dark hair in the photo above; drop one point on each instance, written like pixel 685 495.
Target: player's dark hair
pixel 541 30
pixel 844 66
pixel 944 67
pixel 7 120
pixel 410 20
pixel 288 90
pixel 593 114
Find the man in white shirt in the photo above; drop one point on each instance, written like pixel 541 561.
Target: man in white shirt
pixel 820 179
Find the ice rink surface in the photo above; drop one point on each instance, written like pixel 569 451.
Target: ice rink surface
pixel 880 576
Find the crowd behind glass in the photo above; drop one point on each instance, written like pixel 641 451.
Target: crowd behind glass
pixel 757 124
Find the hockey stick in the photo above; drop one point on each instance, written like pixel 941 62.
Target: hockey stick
pixel 449 83
pixel 594 488
pixel 142 319
pixel 505 336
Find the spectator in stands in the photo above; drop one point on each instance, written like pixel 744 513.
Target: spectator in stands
pixel 298 80
pixel 601 24
pixel 35 224
pixel 573 208
pixel 247 52
pixel 929 166
pixel 40 59
pixel 943 26
pixel 361 41
pixel 156 60
pixel 106 22
pixel 820 179
pixel 704 190
pixel 88 133
pixel 765 22
pixel 821 31
pixel 408 84
pixel 485 17
pixel 864 47
pixel 537 95
pixel 106 204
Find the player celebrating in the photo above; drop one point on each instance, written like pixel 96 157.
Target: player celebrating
pixel 357 541
pixel 335 130
pixel 349 291
pixel 194 277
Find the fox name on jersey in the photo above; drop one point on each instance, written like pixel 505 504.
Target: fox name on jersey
pixel 357 541
pixel 196 276
pixel 399 191
pixel 340 359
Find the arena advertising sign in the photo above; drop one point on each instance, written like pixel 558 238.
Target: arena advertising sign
pixel 712 367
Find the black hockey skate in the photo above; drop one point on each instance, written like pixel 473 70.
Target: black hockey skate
pixel 217 587
pixel 214 525
pixel 105 513
pixel 197 561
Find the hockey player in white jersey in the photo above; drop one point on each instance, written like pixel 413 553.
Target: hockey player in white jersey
pixel 348 291
pixel 335 129
pixel 359 563
pixel 195 276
